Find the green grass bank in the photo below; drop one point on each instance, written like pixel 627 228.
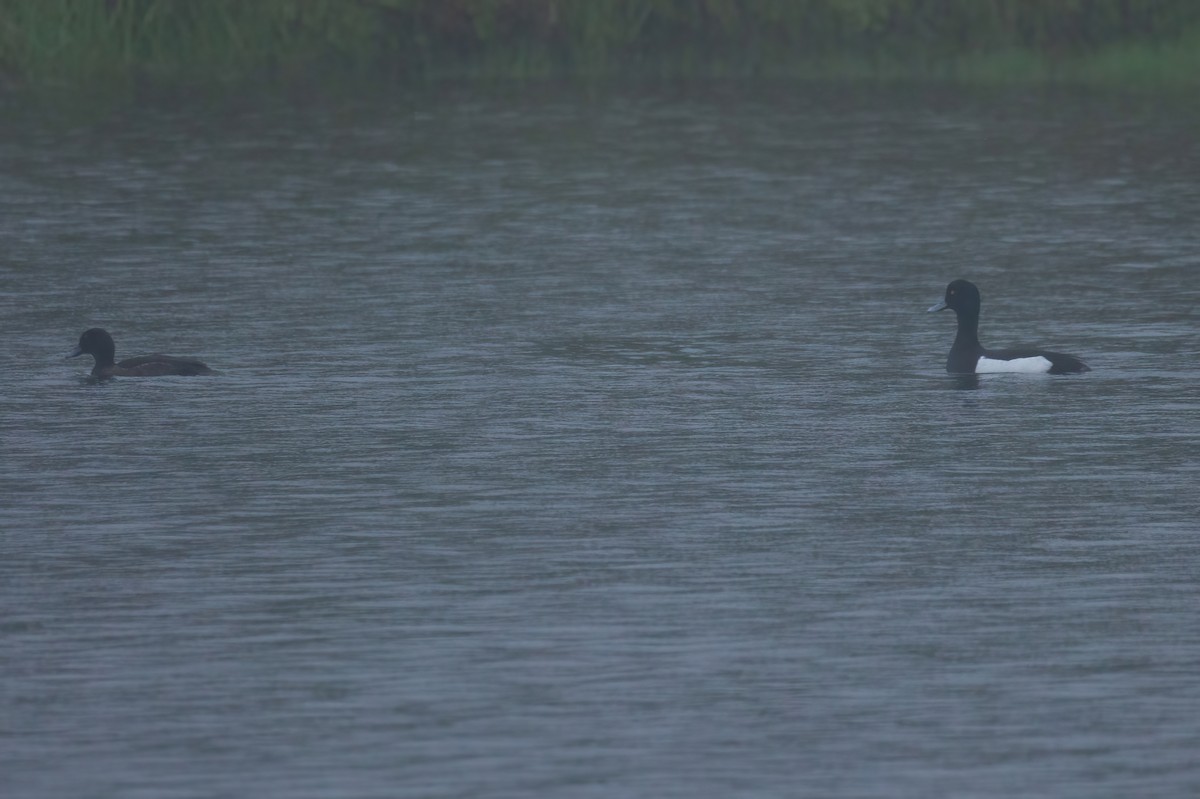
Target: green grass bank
pixel 90 43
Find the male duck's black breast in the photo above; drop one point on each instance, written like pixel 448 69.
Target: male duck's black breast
pixel 962 359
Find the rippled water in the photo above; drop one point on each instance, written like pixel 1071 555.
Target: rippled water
pixel 599 445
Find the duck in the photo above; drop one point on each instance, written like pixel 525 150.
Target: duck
pixel 99 344
pixel 968 356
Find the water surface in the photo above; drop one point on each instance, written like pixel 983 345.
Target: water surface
pixel 599 445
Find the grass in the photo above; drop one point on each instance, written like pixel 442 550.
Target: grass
pixel 85 44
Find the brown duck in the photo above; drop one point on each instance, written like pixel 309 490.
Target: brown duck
pixel 99 344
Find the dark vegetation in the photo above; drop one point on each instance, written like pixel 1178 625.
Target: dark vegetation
pixel 89 42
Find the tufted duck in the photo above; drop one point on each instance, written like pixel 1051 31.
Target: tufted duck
pixel 99 344
pixel 967 355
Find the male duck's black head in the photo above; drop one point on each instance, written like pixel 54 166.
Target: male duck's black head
pixel 962 297
pixel 97 343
